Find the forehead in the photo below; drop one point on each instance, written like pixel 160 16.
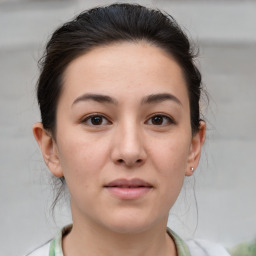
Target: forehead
pixel 124 69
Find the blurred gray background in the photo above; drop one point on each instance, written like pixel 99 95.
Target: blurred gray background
pixel 225 182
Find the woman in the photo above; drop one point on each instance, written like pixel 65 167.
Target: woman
pixel 119 99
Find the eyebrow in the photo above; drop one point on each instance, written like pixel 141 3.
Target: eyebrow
pixel 95 97
pixel 152 98
pixel 156 98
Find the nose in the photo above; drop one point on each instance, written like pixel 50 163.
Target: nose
pixel 128 147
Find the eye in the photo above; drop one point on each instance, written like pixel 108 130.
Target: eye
pixel 160 120
pixel 96 120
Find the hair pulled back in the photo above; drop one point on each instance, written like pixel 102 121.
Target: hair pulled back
pixel 110 24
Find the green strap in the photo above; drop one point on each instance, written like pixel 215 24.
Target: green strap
pixel 181 246
pixel 52 248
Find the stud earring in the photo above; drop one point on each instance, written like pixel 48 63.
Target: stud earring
pixel 192 169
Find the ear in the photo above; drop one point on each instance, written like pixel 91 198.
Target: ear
pixel 195 149
pixel 48 148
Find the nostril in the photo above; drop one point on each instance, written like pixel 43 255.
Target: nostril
pixel 120 161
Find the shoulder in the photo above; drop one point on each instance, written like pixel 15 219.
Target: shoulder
pixel 197 247
pixel 53 246
pixel 42 250
pixel 200 247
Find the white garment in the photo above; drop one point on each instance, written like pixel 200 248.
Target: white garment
pixel 200 247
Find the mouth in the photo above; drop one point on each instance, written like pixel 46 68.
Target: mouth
pixel 128 189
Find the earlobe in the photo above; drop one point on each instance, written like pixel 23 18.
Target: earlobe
pixel 48 149
pixel 195 150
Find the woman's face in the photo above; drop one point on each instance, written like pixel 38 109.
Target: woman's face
pixel 123 136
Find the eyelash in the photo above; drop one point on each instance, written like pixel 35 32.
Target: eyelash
pixel 167 120
pixel 89 119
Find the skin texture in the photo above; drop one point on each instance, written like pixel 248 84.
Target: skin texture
pixel 132 135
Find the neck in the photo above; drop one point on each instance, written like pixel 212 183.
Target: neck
pixel 87 240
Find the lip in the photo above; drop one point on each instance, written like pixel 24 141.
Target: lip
pixel 128 189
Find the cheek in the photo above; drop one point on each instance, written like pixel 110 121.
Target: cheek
pixel 81 157
pixel 81 163
pixel 170 156
pixel 171 162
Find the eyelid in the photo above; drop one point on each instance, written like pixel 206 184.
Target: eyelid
pixel 170 119
pixel 89 116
